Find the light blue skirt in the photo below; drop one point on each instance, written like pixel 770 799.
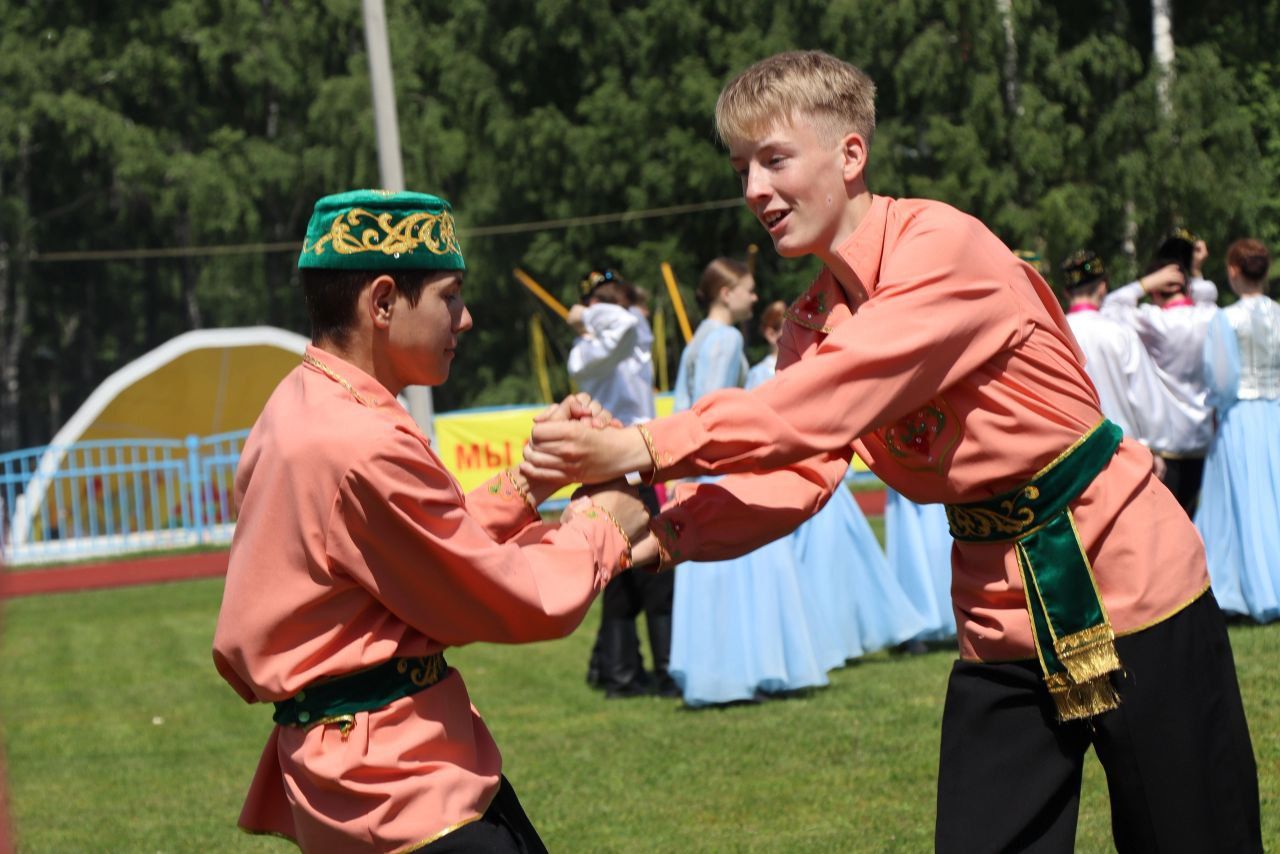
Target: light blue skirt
pixel 918 546
pixel 854 604
pixel 739 629
pixel 1239 511
pixel 779 618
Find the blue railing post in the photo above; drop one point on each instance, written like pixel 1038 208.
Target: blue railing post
pixel 195 487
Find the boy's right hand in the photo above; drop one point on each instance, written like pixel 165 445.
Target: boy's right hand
pixel 1168 280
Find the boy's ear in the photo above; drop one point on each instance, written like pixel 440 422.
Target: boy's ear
pixel 382 301
pixel 853 152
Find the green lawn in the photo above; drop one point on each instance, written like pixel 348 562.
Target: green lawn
pixel 121 737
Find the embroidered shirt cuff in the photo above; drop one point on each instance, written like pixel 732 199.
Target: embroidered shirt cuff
pixel 504 511
pixel 671 440
pixel 676 537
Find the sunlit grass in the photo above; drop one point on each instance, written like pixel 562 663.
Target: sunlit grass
pixel 121 737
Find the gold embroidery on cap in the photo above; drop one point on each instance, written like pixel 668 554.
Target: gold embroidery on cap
pixel 433 232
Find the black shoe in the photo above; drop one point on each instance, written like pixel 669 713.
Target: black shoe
pixel 626 692
pixel 915 646
pixel 667 687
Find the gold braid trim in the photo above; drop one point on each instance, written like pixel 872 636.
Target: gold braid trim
pixel 329 372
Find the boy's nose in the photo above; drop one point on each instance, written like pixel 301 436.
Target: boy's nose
pixel 755 188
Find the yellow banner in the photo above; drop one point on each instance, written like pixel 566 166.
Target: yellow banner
pixel 476 444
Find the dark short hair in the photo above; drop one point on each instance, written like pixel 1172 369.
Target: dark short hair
pixel 331 296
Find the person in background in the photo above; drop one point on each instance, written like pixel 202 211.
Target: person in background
pixel 740 629
pixel 1239 512
pixel 1172 327
pixel 612 360
pixel 1130 389
pixel 357 560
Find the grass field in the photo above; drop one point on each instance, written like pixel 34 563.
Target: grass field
pixel 121 737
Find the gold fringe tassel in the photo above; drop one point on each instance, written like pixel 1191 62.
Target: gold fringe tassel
pixel 1089 654
pixel 1085 689
pixel 1084 700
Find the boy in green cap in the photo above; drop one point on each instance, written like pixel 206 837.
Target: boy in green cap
pixel 357 559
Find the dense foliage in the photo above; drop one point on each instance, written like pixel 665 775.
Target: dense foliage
pixel 216 123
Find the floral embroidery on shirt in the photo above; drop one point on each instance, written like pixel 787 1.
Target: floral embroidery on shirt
pixel 810 311
pixel 668 533
pixel 923 440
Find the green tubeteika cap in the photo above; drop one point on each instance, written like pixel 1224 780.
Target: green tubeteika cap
pixel 381 230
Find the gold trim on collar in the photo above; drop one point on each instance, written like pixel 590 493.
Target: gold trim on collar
pixel 329 372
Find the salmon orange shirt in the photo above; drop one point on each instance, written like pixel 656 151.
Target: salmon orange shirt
pixel 950 369
pixel 355 545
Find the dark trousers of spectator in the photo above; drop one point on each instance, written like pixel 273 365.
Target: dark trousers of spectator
pixel 1183 476
pixel 1177 754
pixel 616 658
pixel 616 664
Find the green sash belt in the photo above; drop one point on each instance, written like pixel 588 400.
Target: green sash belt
pixel 1074 639
pixel 337 700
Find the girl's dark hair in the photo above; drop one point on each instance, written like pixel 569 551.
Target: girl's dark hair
pixel 331 296
pixel 720 273
pixel 1251 257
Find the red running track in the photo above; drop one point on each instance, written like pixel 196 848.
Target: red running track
pixel 123 573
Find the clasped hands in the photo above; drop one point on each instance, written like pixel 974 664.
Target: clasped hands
pixel 578 441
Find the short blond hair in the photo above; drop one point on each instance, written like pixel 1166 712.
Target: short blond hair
pixel 838 96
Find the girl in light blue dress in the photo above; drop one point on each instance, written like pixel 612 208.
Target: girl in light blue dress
pixel 853 603
pixel 740 627
pixel 918 547
pixel 1239 511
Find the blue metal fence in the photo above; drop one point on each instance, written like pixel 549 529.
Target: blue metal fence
pixel 99 498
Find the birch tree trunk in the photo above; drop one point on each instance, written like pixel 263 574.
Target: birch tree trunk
pixel 1162 53
pixel 1004 8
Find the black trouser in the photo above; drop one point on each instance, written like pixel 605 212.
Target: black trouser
pixel 1177 755
pixel 504 828
pixel 616 656
pixel 1183 476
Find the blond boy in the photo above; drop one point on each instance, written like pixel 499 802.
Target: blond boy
pixel 946 363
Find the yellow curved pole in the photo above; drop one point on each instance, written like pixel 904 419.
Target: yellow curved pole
pixel 538 291
pixel 677 302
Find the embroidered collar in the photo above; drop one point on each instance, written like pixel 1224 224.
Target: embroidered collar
pixel 1082 306
pixel 1179 302
pixel 363 388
